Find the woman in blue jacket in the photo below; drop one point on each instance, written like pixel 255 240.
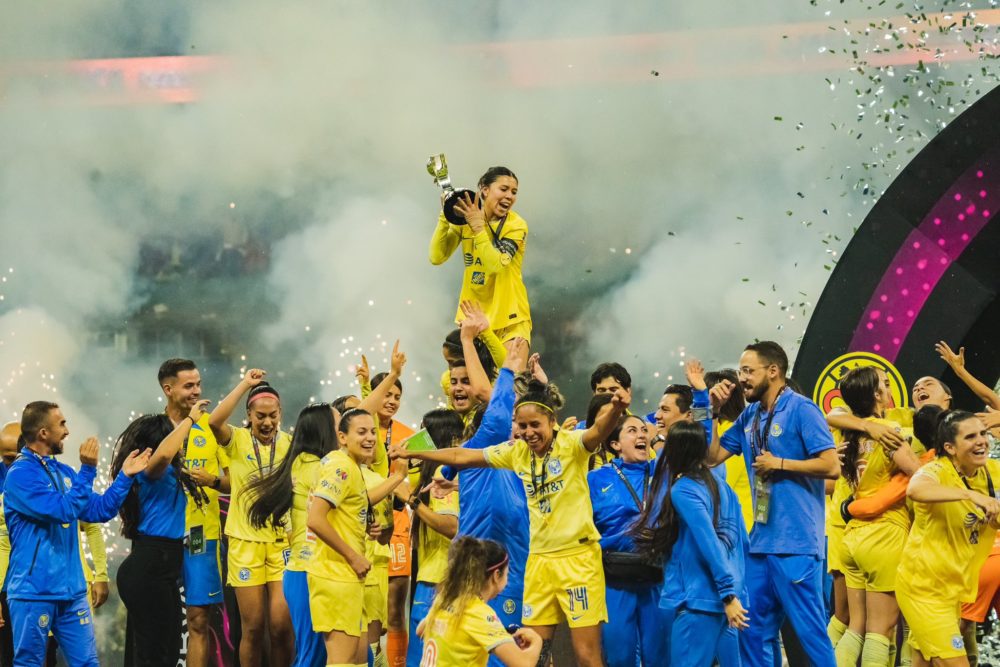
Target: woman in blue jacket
pixel 619 491
pixel 153 517
pixel 698 530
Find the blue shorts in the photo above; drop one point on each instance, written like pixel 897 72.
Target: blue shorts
pixel 203 576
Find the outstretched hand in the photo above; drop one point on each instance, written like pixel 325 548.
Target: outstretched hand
pixel 955 360
pixel 136 461
pixel 695 374
pixel 517 355
pixel 475 321
pixel 536 370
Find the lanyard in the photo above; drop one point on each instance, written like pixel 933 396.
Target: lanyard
pixel 758 442
pixel 256 452
pixel 641 504
pixel 388 435
pixel 53 476
pixel 989 480
pixel 538 481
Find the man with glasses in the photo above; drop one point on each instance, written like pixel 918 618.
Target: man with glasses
pixel 789 451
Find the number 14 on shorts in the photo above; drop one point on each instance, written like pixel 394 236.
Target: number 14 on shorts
pixel 578 599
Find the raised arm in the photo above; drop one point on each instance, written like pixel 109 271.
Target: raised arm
pixel 219 419
pixel 167 449
pixel 377 494
pixel 444 242
pixel 101 508
pixel 957 364
pixel 605 421
pixel 374 400
pixel 719 451
pixel 475 322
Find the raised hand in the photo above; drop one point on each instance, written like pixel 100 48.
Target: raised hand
pixel 136 461
pixel 362 372
pixel 517 355
pixel 535 368
pixel 254 377
pixel 198 409
pixel 88 451
pixel 695 374
pixel 720 393
pixel 620 400
pixel 475 321
pixel 398 360
pixel 955 361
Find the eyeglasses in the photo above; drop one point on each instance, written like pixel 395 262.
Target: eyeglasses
pixel 746 371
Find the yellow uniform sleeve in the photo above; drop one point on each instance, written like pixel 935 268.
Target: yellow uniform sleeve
pixel 444 241
pixel 4 545
pixel 487 252
pixel 366 389
pixel 505 455
pixel 497 351
pixel 485 629
pixel 98 550
pixel 332 484
pixel 222 457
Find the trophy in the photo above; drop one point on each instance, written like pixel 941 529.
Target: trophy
pixel 437 167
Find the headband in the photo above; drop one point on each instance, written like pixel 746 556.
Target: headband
pixel 498 566
pixel 541 405
pixel 263 394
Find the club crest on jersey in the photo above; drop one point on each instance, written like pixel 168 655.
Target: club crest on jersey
pixel 956 642
pixel 200 441
pixel 43 621
pixel 68 482
pixel 509 606
pixel 526 611
pixel 244 574
pixel 776 430
pixel 555 467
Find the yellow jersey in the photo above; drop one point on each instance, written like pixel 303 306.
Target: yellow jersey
pixel 467 641
pixel 492 278
pixel 949 542
pixel 561 516
pixel 432 546
pixel 340 483
pixel 879 469
pixel 202 451
pixel 738 480
pixel 375 552
pixel 98 553
pixel 245 464
pixel 305 471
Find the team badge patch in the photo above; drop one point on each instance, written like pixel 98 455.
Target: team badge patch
pixel 43 621
pixel 244 574
pixel 526 611
pixel 341 474
pixel 68 482
pixel 200 441
pixel 776 430
pixel 957 643
pixel 555 467
pixel 509 607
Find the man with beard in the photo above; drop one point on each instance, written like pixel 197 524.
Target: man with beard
pixel 43 500
pixel 789 451
pixel 208 466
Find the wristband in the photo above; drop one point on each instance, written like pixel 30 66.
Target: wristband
pixel 729 598
pixel 193 420
pixel 217 483
pixel 414 501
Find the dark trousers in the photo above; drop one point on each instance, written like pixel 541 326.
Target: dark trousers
pixel 148 583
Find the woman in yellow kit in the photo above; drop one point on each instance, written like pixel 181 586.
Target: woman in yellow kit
pixel 281 498
pixel 337 520
pixel 461 629
pixel 871 549
pixel 955 522
pixel 492 241
pixel 564 577
pixel 257 556
pixel 377 551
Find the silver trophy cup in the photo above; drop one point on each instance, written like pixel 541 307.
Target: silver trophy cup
pixel 437 167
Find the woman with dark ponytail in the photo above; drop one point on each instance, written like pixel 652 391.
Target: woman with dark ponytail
pixel 870 548
pixel 492 241
pixel 460 629
pixel 564 579
pixel 153 518
pixel 282 498
pixel 697 530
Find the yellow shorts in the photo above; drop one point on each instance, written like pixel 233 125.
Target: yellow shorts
pixel 565 585
pixel 521 329
pixel 376 606
pixel 871 554
pixel 934 626
pixel 336 605
pixel 256 563
pixel 834 543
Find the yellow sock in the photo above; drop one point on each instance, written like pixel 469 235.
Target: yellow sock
pixel 876 651
pixel 835 629
pixel 849 649
pixel 892 650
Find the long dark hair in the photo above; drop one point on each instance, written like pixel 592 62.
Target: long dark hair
pixel 857 388
pixel 925 424
pixel 471 563
pixel 684 455
pixel 734 405
pixel 148 431
pixel 445 427
pixel 272 493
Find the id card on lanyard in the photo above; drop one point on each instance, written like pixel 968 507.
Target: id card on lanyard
pixel 758 445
